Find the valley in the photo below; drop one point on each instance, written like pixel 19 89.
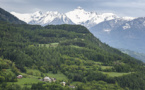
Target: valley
pixel 118 32
pixel 69 54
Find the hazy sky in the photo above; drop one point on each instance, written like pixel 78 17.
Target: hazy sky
pixel 135 8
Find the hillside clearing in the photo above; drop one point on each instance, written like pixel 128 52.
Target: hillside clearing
pixel 115 74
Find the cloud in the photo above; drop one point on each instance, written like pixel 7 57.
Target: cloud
pixel 124 7
pixel 13 1
pixel 125 4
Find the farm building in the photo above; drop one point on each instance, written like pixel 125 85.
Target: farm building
pixel 47 79
pixel 19 76
pixel 63 83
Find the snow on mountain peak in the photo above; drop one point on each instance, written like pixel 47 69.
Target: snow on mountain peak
pixel 50 17
pixel 107 30
pixel 52 12
pixel 126 26
pixel 76 16
pixel 24 17
pixel 38 13
pixel 128 18
pixel 79 15
pixel 89 19
pixel 80 8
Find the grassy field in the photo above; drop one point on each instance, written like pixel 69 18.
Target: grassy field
pixel 76 83
pixel 98 63
pixel 33 72
pixel 49 45
pixel 106 67
pixel 33 76
pixel 75 46
pixel 59 76
pixel 27 81
pixel 115 74
pixel 37 74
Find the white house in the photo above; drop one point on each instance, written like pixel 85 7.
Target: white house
pixel 47 79
pixel 19 76
pixel 63 83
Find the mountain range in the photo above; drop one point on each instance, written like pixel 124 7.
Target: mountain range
pixel 68 53
pixel 77 16
pixel 122 34
pixel 119 32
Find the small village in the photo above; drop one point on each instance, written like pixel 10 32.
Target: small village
pixel 48 79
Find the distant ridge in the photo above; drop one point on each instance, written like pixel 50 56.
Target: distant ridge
pixel 122 34
pixel 118 32
pixel 77 16
pixel 7 17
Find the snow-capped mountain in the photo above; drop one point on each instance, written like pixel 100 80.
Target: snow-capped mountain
pixel 43 19
pixel 89 19
pixel 77 16
pixel 121 33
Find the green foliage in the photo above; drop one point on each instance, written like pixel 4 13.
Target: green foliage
pixel 134 81
pixel 49 86
pixel 8 71
pixel 99 85
pixel 70 51
pixel 28 81
pixel 69 28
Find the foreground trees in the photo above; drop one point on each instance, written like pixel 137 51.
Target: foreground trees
pixel 69 49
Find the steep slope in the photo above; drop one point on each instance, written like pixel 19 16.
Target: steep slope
pixel 65 50
pixel 71 50
pixel 7 17
pixel 122 33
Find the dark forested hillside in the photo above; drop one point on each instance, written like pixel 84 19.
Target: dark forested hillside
pixel 71 50
pixel 7 17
